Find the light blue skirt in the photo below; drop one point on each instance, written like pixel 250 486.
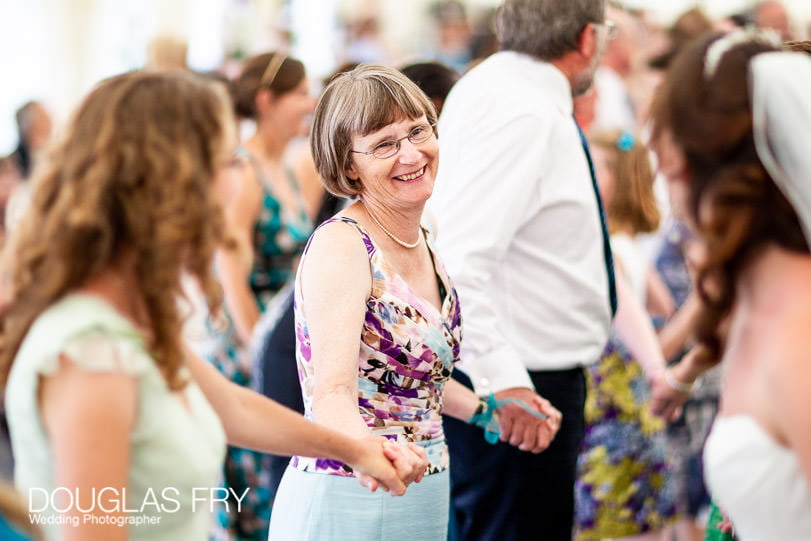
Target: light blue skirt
pixel 320 507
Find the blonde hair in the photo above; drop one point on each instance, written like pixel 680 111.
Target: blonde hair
pixel 633 204
pixel 133 173
pixel 359 102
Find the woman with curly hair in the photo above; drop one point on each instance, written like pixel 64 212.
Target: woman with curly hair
pixel 729 127
pixel 107 409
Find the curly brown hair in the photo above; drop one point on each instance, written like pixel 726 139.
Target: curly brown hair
pixel 133 173
pixel 733 202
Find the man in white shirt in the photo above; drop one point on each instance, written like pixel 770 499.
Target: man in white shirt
pixel 521 233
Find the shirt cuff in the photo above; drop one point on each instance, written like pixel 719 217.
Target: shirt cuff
pixel 496 371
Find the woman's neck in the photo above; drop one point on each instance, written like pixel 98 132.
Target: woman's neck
pixel 403 224
pixel 267 143
pixel 119 285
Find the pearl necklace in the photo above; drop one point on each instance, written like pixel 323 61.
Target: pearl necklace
pixel 391 235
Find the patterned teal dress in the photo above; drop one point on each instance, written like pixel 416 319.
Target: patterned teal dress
pixel 278 240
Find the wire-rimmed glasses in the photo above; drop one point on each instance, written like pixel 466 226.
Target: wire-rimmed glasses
pixel 388 148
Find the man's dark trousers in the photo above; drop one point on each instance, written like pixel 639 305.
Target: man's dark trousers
pixel 499 493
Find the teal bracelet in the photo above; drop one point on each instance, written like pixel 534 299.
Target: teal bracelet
pixel 487 421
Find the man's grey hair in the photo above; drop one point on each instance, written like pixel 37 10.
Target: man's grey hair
pixel 545 29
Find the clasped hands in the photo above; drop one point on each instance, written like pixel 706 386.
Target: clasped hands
pixel 391 466
pixel 520 428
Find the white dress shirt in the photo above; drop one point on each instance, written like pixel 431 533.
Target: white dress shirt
pixel 518 224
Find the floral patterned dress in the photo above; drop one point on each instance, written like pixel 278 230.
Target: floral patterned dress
pixel 407 349
pixel 624 483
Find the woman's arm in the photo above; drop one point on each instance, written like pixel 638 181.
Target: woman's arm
pixel 636 330
pixel 676 333
pixel 234 262
pixel 659 300
pixel 461 403
pixel 89 417
pixel 251 420
pixel 335 284
pixel 667 397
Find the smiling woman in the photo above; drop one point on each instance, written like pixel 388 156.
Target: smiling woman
pixel 378 324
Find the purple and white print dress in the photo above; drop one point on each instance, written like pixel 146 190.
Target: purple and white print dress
pixel 406 355
pixel 407 349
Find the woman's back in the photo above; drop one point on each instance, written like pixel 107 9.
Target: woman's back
pixel 176 444
pixel 751 465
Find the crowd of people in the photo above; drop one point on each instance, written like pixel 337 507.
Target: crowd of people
pixel 554 291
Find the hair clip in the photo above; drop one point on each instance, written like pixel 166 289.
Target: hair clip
pixel 722 46
pixel 626 141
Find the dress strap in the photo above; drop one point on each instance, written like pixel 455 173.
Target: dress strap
pixel 302 217
pixel 296 187
pixel 367 241
pixel 257 169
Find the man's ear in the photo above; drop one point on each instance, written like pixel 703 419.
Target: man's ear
pixel 587 40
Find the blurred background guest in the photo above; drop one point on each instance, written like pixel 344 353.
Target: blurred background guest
pixel 34 128
pixel 772 15
pixel 624 487
pixel 433 78
pixel 167 52
pixel 269 215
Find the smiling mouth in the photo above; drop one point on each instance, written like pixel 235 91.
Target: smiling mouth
pixel 412 176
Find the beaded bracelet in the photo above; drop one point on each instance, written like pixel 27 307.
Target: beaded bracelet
pixel 677 385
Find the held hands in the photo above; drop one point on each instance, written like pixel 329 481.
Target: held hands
pixel 410 461
pixel 671 391
pixel 668 395
pixel 522 429
pixel 390 466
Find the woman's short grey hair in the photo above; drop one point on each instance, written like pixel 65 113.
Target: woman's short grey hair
pixel 360 102
pixel 545 29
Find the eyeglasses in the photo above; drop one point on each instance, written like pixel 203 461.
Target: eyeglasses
pixel 390 147
pixel 611 28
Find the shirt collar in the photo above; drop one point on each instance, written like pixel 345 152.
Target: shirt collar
pixel 556 86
